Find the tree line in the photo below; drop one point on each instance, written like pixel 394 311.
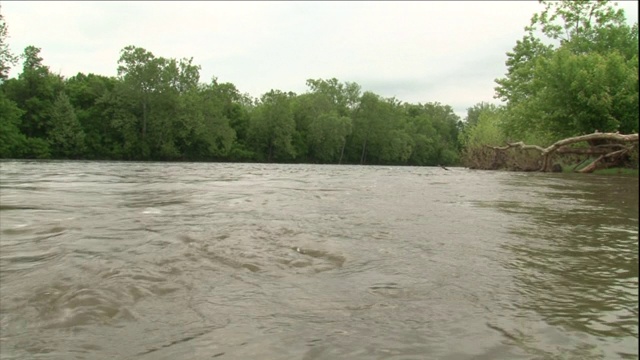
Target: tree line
pixel 157 108
pixel 574 72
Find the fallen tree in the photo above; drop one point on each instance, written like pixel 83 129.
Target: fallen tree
pixel 611 149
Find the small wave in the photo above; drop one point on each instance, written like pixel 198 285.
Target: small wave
pixel 4 207
pixel 63 306
pixel 232 263
pixel 18 229
pixel 152 211
pixel 52 230
pixel 319 254
pixel 28 260
pixel 389 290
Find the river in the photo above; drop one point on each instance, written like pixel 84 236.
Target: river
pixel 117 260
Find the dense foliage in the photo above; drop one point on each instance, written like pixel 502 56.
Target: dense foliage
pixel 158 109
pixel 575 71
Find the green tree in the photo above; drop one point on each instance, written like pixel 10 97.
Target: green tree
pixel 306 108
pixel 473 113
pixel 216 102
pixel 66 136
pixel 272 127
pixel 34 91
pixel 517 88
pixel 151 92
pixel 487 131
pixel 587 92
pixel 424 135
pixel 394 144
pixel 344 96
pixel 139 72
pixel 577 23
pixel 91 95
pixel 579 77
pixel 12 141
pixel 327 103
pixel 434 130
pixel 7 58
pixel 369 123
pixel 327 136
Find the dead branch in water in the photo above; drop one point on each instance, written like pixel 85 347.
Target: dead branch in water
pixel 614 149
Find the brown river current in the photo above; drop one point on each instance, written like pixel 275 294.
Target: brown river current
pixel 112 260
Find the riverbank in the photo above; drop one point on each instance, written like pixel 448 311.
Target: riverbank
pixel 617 171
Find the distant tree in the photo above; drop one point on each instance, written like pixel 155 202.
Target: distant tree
pixel 12 141
pixel 7 58
pixel 344 96
pixel 473 113
pixel 91 96
pixel 434 130
pixel 369 123
pixel 217 105
pixel 155 93
pixel 272 127
pixel 34 92
pixel 157 108
pixel 327 136
pixel 66 135
pixel 140 73
pixel 475 138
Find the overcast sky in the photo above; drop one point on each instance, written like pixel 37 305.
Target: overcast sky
pixel 417 51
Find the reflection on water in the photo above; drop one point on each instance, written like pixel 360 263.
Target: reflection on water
pixel 235 261
pixel 576 260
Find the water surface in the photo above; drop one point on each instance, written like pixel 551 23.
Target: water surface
pixel 104 260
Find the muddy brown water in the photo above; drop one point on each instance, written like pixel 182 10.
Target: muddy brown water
pixel 113 260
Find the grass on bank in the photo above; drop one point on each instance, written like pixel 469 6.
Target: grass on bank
pixel 617 171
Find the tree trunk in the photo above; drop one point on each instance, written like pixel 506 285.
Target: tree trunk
pixel 610 146
pixel 344 144
pixel 144 118
pixel 364 149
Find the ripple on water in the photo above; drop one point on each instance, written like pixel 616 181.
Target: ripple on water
pixel 28 259
pixel 198 260
pixel 100 297
pixel 259 249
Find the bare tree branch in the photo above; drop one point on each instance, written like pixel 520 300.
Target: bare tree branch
pixel 614 149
